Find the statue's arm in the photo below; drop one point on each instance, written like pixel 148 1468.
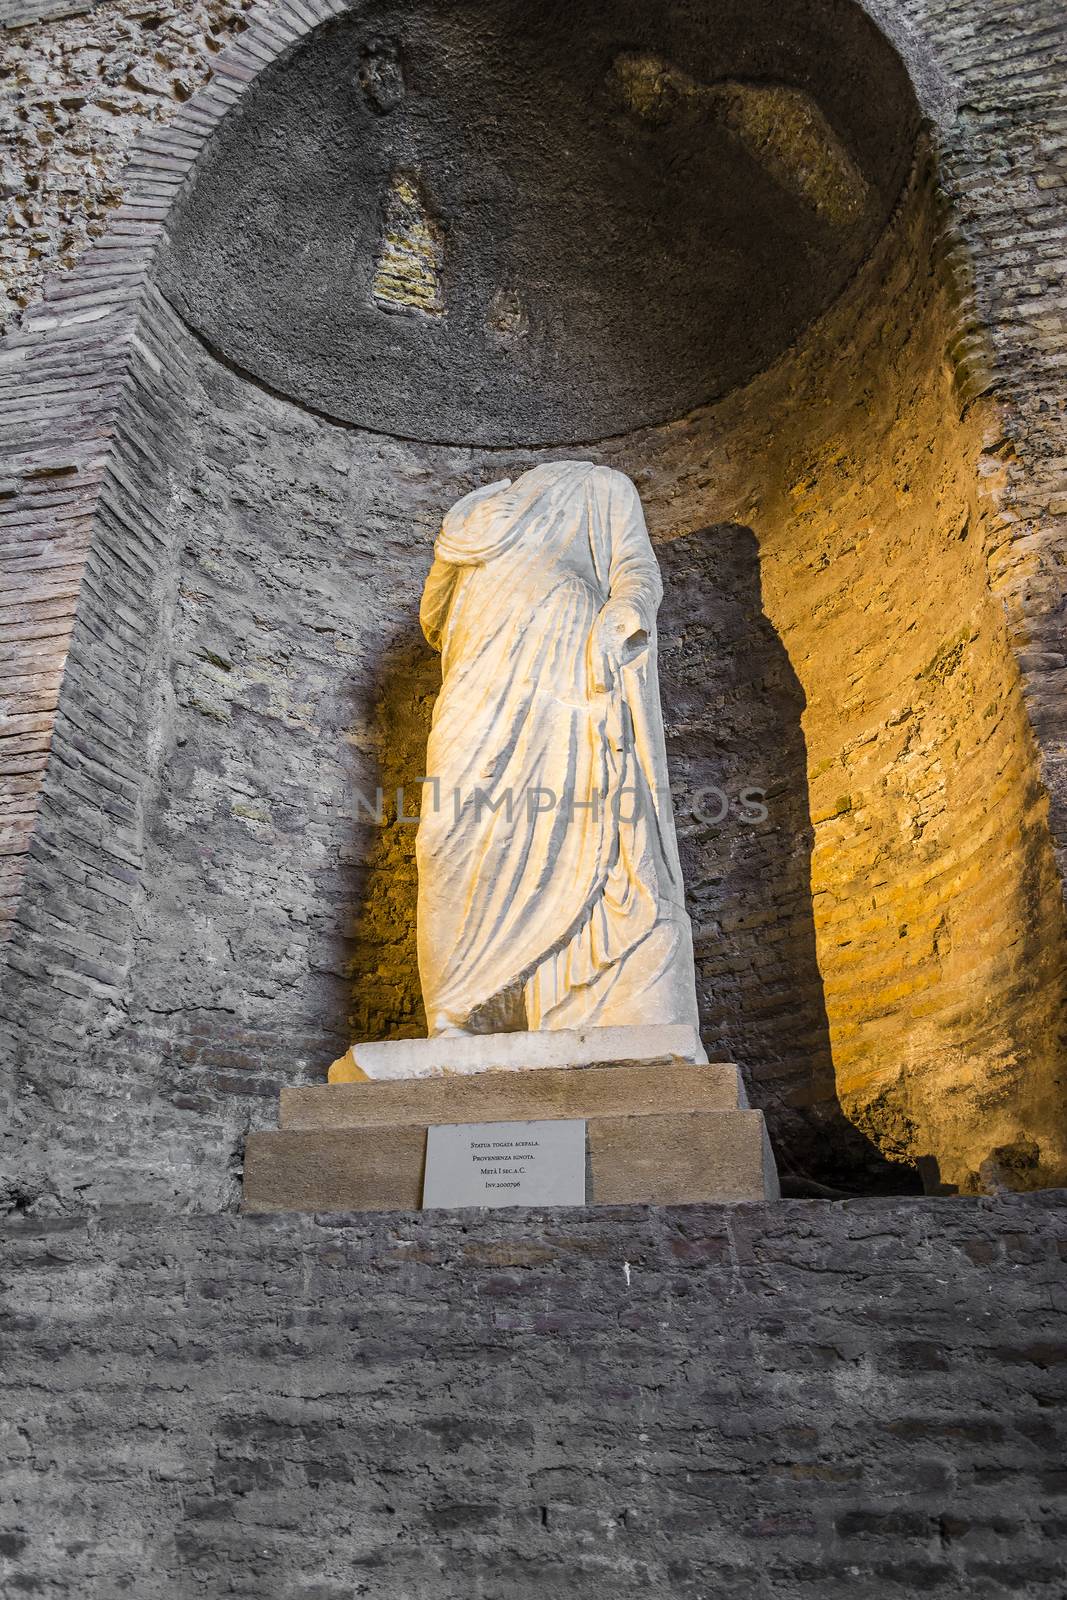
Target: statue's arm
pixel 625 625
pixel 437 600
pixel 633 575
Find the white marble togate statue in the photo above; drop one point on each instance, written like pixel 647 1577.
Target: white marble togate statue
pixel 551 925
pixel 550 894
pixel 555 953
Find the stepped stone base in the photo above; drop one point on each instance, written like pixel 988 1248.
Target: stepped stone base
pixel 663 1132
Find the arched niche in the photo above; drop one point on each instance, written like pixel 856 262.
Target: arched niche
pixel 722 272
pixel 499 224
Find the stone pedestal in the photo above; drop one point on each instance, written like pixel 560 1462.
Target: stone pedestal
pixel 664 1126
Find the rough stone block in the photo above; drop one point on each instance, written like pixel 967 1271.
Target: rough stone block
pixel 348 1169
pixel 677 1158
pixel 682 1157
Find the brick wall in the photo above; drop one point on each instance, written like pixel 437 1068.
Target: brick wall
pixel 810 1400
pixel 1004 169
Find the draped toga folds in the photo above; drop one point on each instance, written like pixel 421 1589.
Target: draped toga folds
pixel 550 894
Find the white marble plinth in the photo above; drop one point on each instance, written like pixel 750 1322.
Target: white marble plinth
pixel 518 1052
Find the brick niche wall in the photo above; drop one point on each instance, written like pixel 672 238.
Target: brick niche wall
pixel 211 915
pixel 196 906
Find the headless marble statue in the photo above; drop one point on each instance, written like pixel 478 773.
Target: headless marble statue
pixel 550 894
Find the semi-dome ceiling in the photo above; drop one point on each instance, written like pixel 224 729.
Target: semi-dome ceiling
pixel 527 223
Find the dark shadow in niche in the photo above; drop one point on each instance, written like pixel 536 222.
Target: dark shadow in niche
pixel 738 764
pixel 395 705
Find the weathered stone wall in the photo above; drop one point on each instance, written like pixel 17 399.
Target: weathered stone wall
pixel 80 91
pixel 940 925
pixel 808 1401
pixel 794 1403
pixel 632 211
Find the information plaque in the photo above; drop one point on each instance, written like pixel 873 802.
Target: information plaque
pixel 505 1164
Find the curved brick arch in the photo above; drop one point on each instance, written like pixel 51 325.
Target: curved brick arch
pixel 62 384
